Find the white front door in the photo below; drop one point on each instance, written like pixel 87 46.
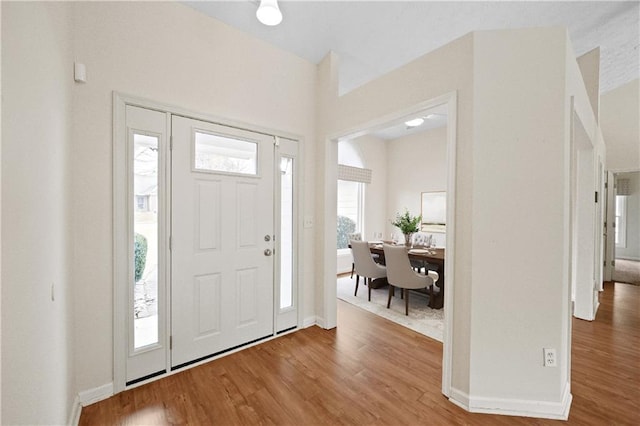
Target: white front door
pixel 222 239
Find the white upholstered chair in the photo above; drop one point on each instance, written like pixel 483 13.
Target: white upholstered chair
pixel 364 265
pixel 356 236
pixel 422 239
pixel 400 274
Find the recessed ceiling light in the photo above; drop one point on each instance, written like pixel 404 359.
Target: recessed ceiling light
pixel 415 122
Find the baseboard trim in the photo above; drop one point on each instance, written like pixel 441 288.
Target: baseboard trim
pixel 320 322
pixel 91 396
pixel 459 398
pixel 635 259
pixel 309 321
pixel 76 410
pixel 515 407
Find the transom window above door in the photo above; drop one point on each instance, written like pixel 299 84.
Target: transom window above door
pixel 218 153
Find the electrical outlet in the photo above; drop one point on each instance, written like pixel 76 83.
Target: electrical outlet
pixel 550 357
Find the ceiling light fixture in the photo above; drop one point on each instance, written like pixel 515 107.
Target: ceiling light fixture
pixel 269 13
pixel 414 122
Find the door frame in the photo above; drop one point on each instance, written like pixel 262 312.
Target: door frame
pixel 583 219
pixel 329 315
pixel 609 229
pixel 610 250
pixel 120 229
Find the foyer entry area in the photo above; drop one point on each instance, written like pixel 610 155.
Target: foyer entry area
pixel 370 370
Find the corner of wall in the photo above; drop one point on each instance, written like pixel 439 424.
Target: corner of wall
pixel 76 412
pixel 91 396
pixel 327 93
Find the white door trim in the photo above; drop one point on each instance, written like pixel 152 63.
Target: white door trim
pixel 329 319
pixel 120 265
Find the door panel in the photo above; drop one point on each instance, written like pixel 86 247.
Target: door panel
pixel 209 205
pixel 222 209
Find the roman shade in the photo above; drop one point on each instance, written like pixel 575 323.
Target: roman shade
pixel 354 174
pixel 623 187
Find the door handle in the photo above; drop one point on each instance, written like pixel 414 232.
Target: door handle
pixel 267 252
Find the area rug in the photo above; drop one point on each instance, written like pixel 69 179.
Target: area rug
pixel 421 318
pixel 627 271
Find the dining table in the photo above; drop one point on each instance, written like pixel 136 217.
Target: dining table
pixel 433 256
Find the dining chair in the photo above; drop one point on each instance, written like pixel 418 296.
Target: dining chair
pixel 400 274
pixel 365 266
pixel 356 236
pixel 422 239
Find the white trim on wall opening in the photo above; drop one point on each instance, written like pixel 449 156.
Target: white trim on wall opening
pixel 329 288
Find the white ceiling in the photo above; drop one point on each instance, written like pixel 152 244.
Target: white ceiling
pixel 375 37
pixel 433 118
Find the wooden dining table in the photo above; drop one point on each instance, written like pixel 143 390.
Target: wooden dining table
pixel 433 256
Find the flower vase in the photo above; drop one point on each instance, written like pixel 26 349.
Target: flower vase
pixel 407 239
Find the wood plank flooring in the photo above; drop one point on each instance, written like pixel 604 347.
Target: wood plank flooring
pixel 371 371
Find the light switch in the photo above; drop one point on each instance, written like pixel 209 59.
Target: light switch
pixel 308 221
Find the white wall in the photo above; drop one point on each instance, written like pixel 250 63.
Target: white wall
pixel 374 156
pixel 632 249
pixel 518 210
pixel 620 123
pixel 38 382
pixel 416 163
pixel 169 53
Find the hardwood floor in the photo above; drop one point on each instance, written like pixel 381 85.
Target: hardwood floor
pixel 372 371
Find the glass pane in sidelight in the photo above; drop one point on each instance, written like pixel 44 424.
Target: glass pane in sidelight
pixel 286 233
pixel 225 154
pixel 145 244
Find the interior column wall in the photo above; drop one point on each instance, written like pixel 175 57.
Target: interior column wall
pixel 519 168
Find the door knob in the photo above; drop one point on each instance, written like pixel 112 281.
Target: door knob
pixel 267 252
